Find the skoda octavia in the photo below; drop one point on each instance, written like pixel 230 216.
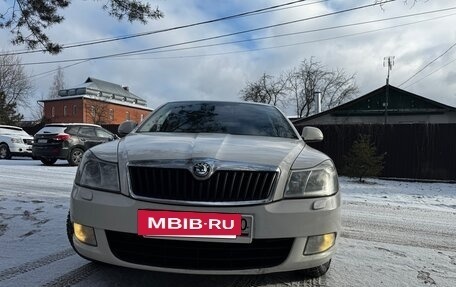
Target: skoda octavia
pixel 208 188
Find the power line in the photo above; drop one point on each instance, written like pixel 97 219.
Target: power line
pixel 286 45
pixel 310 31
pixel 54 70
pixel 428 64
pixel 433 72
pixel 286 8
pixel 264 48
pixel 208 38
pixel 275 36
pixel 118 38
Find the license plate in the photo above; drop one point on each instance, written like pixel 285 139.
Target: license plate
pixel 204 225
pixel 246 226
pixel 42 140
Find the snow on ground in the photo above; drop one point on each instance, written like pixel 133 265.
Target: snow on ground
pixel 394 234
pixel 435 196
pixel 34 200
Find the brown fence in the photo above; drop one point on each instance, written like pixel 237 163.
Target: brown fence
pixel 416 151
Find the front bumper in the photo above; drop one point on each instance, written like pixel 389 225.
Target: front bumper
pixel 20 149
pixel 296 219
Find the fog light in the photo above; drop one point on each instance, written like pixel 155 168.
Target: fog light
pixel 85 234
pixel 319 243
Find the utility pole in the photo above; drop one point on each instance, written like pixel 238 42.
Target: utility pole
pixel 318 102
pixel 389 63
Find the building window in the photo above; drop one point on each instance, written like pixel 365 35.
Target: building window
pixel 92 111
pixel 64 111
pixel 53 112
pixel 127 116
pixel 111 114
pixel 74 110
pixel 142 117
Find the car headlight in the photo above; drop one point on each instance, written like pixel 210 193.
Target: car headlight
pixel 97 174
pixel 318 181
pixel 16 140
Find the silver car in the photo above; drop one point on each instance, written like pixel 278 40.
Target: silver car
pixel 208 188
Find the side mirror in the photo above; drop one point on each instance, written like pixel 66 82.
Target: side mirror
pixel 114 137
pixel 311 134
pixel 126 127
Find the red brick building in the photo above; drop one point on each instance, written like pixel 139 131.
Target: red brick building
pixel 96 102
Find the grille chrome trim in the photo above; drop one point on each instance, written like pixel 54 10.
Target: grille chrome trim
pixel 219 168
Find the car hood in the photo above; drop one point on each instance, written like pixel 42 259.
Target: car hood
pixel 275 152
pixel 222 147
pixel 22 136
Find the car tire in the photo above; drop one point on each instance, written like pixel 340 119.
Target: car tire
pixel 48 161
pixel 75 156
pixel 316 272
pixel 4 151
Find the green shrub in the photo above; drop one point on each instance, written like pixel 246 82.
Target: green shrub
pixel 362 159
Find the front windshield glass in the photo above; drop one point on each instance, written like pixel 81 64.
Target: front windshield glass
pixel 52 130
pixel 219 117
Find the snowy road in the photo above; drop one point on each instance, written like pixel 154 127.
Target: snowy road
pixel 395 234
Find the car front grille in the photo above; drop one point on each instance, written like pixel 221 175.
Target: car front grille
pixel 28 141
pixel 222 186
pixel 194 255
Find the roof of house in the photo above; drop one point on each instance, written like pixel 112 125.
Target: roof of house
pixel 400 102
pixel 103 89
pixel 96 98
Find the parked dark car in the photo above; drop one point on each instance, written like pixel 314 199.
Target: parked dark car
pixel 68 141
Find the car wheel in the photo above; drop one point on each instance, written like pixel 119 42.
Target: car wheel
pixel 75 156
pixel 4 151
pixel 48 161
pixel 317 271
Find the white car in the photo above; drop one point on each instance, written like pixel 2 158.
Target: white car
pixel 14 141
pixel 208 188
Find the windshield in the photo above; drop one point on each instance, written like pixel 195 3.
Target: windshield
pixel 52 130
pixel 219 117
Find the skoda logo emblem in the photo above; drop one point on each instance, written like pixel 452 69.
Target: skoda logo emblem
pixel 201 169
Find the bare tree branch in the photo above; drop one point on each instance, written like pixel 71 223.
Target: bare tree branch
pixel 267 89
pixel 98 112
pixel 299 85
pixel 57 85
pixel 14 81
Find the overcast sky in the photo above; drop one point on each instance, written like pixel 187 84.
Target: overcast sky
pixel 219 72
